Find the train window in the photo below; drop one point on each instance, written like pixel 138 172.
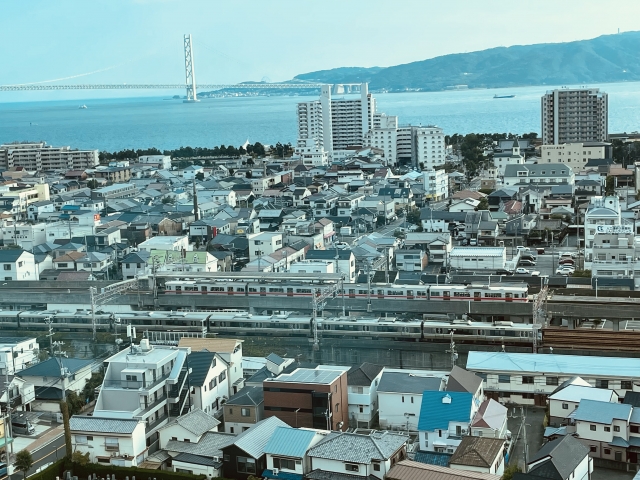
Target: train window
pixel 420 293
pixel 217 289
pixel 508 295
pixel 493 295
pixel 253 290
pixel 178 287
pixel 398 293
pixel 516 296
pixel 461 294
pixel 276 290
pixel 446 294
pixel 203 289
pixel 303 290
pixel 435 294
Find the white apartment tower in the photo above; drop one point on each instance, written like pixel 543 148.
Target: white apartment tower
pixel 384 136
pixel 39 156
pixel 574 115
pixel 337 123
pixel 421 145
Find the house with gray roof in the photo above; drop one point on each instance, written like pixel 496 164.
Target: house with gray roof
pixel 189 427
pixel 542 173
pixel 246 456
pixel 347 454
pixel 400 397
pixel 244 409
pixel 363 381
pixel 563 459
pixel 117 442
pixel 55 374
pixel 479 454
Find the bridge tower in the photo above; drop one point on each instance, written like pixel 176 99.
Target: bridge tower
pixel 190 73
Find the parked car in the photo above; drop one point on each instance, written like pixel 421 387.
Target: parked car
pixel 4 469
pixel 565 271
pixel 22 425
pixel 535 273
pixel 502 271
pixel 473 242
pixel 540 251
pixel 528 256
pixel 527 263
pixel 522 271
pixel 566 261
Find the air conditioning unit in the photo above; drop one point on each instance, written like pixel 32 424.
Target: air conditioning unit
pixel 276 471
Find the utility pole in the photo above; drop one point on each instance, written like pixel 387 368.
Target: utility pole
pixel 49 323
pixel 452 350
pixel 7 427
pixel 525 445
pixel 92 292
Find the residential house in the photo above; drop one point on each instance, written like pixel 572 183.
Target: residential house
pixel 400 398
pixel 466 205
pixel 17 265
pixel 246 455
pixel 479 454
pixel 345 264
pixel 363 381
pixel 410 470
pixel 135 263
pixel 490 420
pixel 547 173
pixel 287 452
pixel 189 427
pixel 116 442
pixel 498 198
pixel 461 380
pixel 244 409
pixel 21 393
pixel 208 381
pixel 166 242
pixel 565 400
pixel 564 459
pixel 264 243
pixel 202 458
pixel 55 374
pixel 319 396
pixel 411 260
pixel 17 353
pixel 368 456
pixel 444 418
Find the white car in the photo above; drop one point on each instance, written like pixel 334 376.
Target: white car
pixel 522 271
pixel 565 271
pixel 535 273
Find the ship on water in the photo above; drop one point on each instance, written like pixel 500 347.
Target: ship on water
pixel 503 96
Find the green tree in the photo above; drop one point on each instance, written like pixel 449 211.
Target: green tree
pixel 80 458
pixel 75 403
pixel 200 176
pixel 93 183
pixel 169 200
pixel 250 162
pixel 414 216
pixel 510 471
pixel 483 205
pixel 24 461
pixel 610 186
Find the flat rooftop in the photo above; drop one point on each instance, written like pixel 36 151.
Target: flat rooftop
pixel 308 375
pixel 157 354
pixel 551 363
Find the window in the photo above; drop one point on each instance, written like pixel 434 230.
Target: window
pixel 222 376
pixel 245 412
pixel 626 385
pixel 81 439
pixel 527 379
pixel 593 448
pixel 246 465
pixel 504 379
pixel 602 383
pixel 351 467
pixel 552 380
pixel 616 428
pixel 284 463
pixel 132 378
pixel 592 428
pixel 376 467
pixel 565 406
pixel 607 451
pixel 618 456
pixel 213 383
pixel 111 443
pixel 7 266
pixel 607 429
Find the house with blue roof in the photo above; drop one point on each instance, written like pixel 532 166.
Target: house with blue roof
pixel 444 418
pixel 287 453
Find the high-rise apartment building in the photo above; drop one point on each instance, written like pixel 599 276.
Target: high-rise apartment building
pixel 574 115
pixel 337 123
pixel 421 145
pixel 384 136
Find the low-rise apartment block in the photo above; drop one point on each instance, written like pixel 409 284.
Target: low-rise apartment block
pixel 39 156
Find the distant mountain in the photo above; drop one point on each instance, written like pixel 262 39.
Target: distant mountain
pixel 609 58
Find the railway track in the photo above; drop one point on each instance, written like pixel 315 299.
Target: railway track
pixel 587 339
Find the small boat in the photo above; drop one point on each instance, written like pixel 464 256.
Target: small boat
pixel 503 96
pixel 82 107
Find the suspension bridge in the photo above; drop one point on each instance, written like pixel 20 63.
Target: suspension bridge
pixel 189 85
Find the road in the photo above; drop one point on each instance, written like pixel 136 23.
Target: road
pixel 53 451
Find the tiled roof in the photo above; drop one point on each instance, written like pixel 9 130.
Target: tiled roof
pixel 273 358
pixel 200 363
pixel 211 444
pixel 408 470
pixel 461 380
pixel 51 367
pixel 289 442
pixel 363 375
pixel 101 425
pixel 197 422
pixel 477 451
pixel 491 414
pixel 197 460
pixel 254 440
pixel 564 455
pixel 400 382
pixel 602 412
pixel 351 447
pixel 247 396
pixel 440 408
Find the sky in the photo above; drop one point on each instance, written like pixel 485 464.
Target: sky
pixel 141 41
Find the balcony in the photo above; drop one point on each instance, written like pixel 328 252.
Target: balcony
pixel 135 385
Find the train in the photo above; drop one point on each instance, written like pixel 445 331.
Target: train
pixel 497 292
pixel 241 323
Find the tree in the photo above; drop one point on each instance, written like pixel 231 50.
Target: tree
pixel 167 200
pixel 250 162
pixel 93 183
pixel 610 186
pixel 483 205
pixel 80 458
pixel 75 403
pixel 510 471
pixel 200 176
pixel 24 462
pixel 414 216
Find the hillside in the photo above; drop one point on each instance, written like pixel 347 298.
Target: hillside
pixel 609 58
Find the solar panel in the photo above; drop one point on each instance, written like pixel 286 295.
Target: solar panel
pixel 305 375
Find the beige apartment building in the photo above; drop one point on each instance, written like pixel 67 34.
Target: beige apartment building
pixel 39 156
pixel 576 155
